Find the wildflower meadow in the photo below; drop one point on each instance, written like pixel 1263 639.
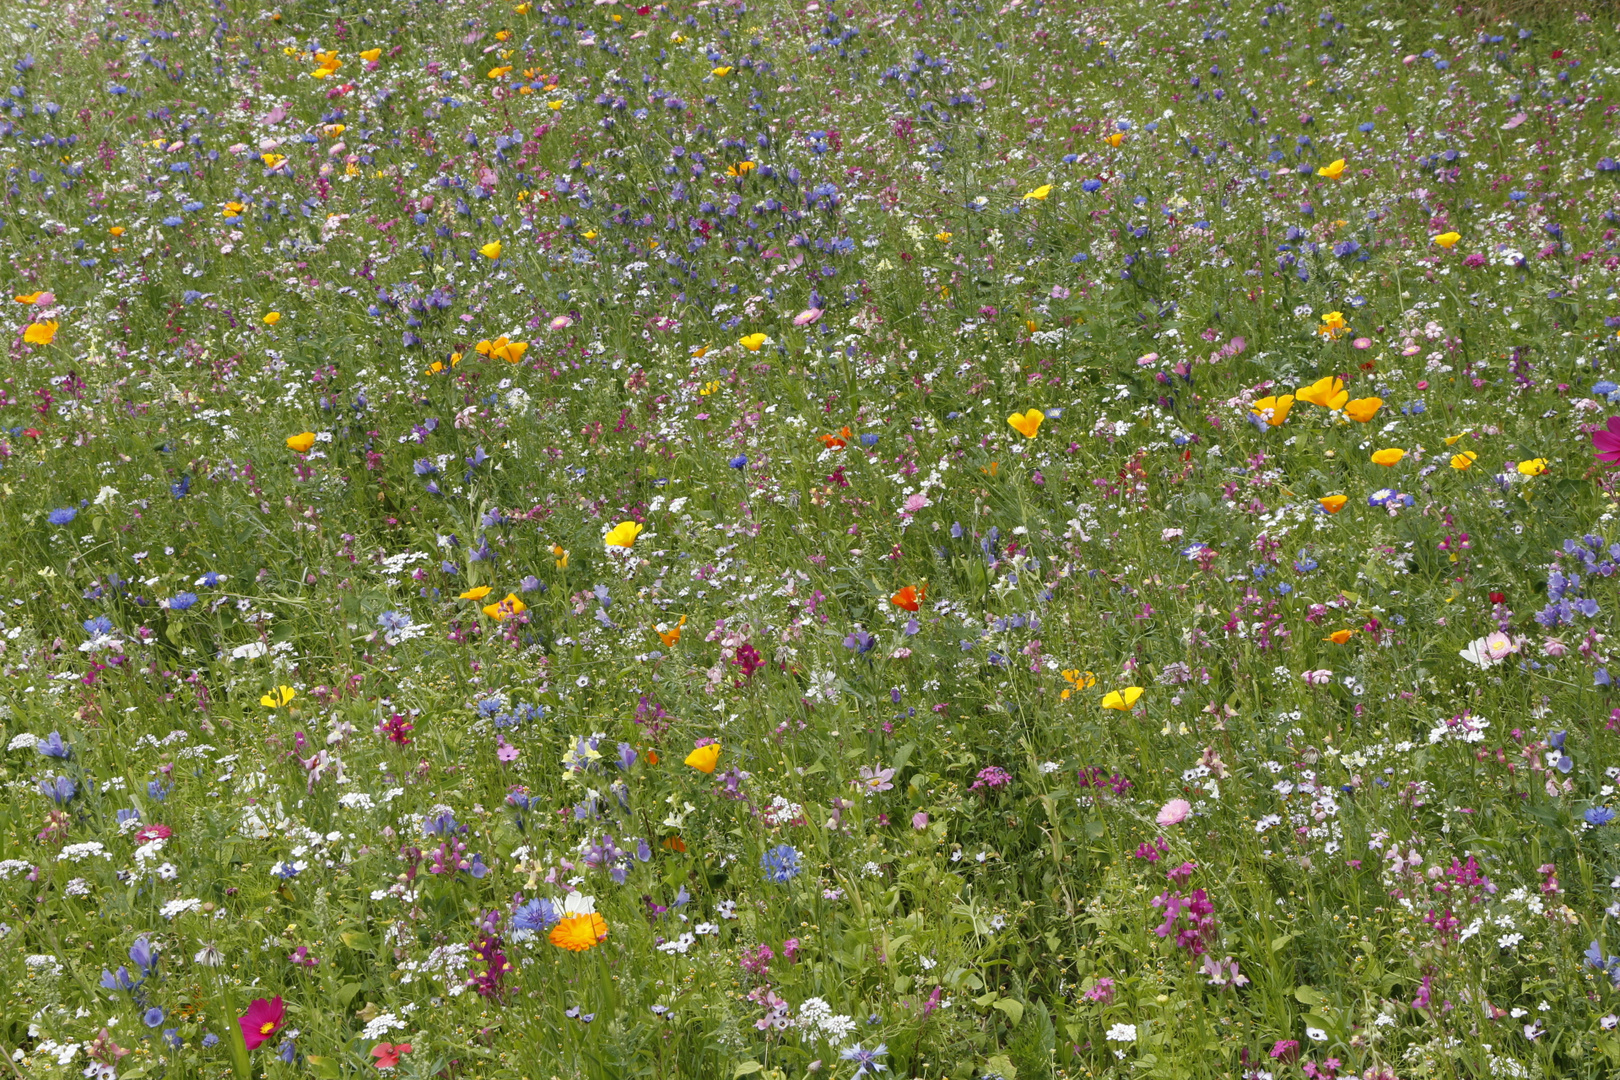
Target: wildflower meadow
pixel 738 538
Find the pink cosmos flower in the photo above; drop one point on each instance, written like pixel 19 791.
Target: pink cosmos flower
pixel 1174 812
pixel 1607 443
pixel 261 1021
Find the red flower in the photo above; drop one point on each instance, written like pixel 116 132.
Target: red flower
pixel 1607 443
pixel 1498 598
pixel 388 1056
pixel 261 1021
pixel 153 832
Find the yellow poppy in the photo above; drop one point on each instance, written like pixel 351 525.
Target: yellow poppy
pixel 1039 193
pixel 1115 139
pixel 1027 423
pixel 1339 637
pixel 506 608
pixel 272 317
pixel 512 351
pixel 943 237
pixel 1333 325
pixel 476 594
pixel 1328 392
pixel 231 209
pixel 1273 410
pixel 753 342
pixel 301 442
pixel 500 72
pixel 1533 467
pixel 31 298
pixel 720 72
pixel 41 333
pixel 117 230
pixel 559 553
pixel 1122 700
pixel 1464 460
pixel 704 758
pixel 1333 503
pixel 371 56
pixel 1332 170
pixel 623 534
pixel 278 697
pixel 672 636
pixel 1364 409
pixel 1448 240
pixel 491 250
pixel 1388 456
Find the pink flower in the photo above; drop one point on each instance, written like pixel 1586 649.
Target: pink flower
pixel 1362 343
pixel 919 820
pixel 153 832
pixel 388 1056
pixel 1174 812
pixel 807 316
pixel 1607 443
pixel 505 751
pixel 261 1021
pixel 561 322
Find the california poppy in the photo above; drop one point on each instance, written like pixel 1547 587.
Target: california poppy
pixel 272 317
pixel 1464 460
pixel 476 593
pixel 1039 193
pixel 623 534
pixel 278 698
pixel 1273 410
pixel 1448 240
pixel 506 608
pixel 672 636
pixel 1027 423
pixel 301 443
pixel 1328 392
pixel 836 442
pixel 1122 700
pixel 1333 325
pixel 1364 409
pixel 705 757
pixel 41 333
pixel 1389 456
pixel 1333 503
pixel 1332 170
pixel 909 598
pixel 371 56
pixel 753 342
pixel 1533 467
pixel 1339 637
pixel 491 250
pixel 721 72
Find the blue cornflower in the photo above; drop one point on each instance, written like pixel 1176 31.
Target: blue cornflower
pixel 1599 815
pixel 63 516
pixel 867 1059
pixel 182 601
pixel 98 625
pixel 780 863
pixel 536 916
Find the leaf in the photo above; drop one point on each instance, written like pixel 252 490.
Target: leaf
pixel 1277 943
pixel 358 940
pixel 1308 995
pixel 1001 1065
pixel 902 755
pixel 324 1066
pixel 342 996
pixel 1012 1007
pixel 746 1068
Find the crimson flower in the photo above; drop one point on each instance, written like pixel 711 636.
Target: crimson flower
pixel 1607 443
pixel 261 1021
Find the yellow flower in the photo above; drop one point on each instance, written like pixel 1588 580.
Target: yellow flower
pixel 521 9
pixel 1027 423
pixel 1364 409
pixel 753 342
pixel 1333 503
pixel 710 387
pixel 500 72
pixel 1388 456
pixel 1452 440
pixel 1122 700
pixel 1115 139
pixel 720 72
pixel 301 442
pixel 231 209
pixel 1039 193
pixel 623 534
pixel 1078 680
pixel 555 105
pixel 1333 325
pixel 117 230
pixel 943 237
pixel 1327 392
pixel 506 608
pixel 1448 240
pixel 41 333
pixel 278 697
pixel 1339 637
pixel 491 250
pixel 476 594
pixel 31 298
pixel 672 636
pixel 1332 170
pixel 704 758
pixel 1533 467
pixel 1277 407
pixel 576 933
pixel 510 351
pixel 371 56
pixel 272 160
pixel 559 553
pixel 1463 460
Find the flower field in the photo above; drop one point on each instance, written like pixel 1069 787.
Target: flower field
pixel 719 539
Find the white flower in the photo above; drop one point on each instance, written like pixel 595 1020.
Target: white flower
pixel 678 945
pixel 381 1025
pixel 1121 1033
pixel 175 908
pixel 1315 1034
pixel 577 903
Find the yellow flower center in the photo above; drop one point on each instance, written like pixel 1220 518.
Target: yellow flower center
pixel 267 1027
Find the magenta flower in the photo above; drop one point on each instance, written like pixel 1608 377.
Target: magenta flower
pixel 261 1021
pixel 1607 443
